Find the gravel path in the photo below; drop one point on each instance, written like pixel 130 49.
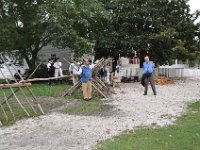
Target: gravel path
pixel 131 109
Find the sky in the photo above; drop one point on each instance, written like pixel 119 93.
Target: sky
pixel 194 5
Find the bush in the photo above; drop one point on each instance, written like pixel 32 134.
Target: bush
pixel 41 72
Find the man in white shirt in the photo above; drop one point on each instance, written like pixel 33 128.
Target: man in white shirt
pixel 73 69
pixel 58 70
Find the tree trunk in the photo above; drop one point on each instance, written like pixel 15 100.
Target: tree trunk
pixel 31 60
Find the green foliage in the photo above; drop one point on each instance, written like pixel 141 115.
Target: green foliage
pixel 43 89
pixel 115 26
pixel 184 135
pixel 41 72
pixel 29 25
pixel 153 26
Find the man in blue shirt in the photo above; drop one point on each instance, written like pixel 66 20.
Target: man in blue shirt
pixel 86 76
pixel 148 68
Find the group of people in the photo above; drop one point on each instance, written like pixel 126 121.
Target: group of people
pixel 54 67
pixel 84 71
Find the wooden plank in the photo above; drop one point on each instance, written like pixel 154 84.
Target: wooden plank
pixel 7 103
pixel 34 70
pixel 72 89
pixel 99 90
pixel 14 85
pixel 15 96
pixel 44 79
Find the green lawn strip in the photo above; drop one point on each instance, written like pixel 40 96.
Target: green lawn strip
pixel 183 135
pixel 43 89
pixel 39 89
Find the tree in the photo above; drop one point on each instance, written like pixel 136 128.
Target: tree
pixel 29 25
pixel 153 27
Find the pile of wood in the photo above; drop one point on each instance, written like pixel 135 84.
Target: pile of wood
pixel 162 80
pixel 98 84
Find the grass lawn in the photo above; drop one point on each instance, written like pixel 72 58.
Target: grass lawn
pixel 39 89
pixel 183 135
pixel 43 89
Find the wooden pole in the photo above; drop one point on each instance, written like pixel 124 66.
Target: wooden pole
pixel 99 90
pixel 14 85
pixel 34 70
pixel 33 96
pixel 36 101
pixel 72 89
pixel 99 85
pixel 42 79
pixel 20 104
pixel 11 95
pixel 7 103
pixel 20 84
pixel 4 112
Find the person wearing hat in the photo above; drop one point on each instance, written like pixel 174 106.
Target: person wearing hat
pixel 86 77
pixel 51 70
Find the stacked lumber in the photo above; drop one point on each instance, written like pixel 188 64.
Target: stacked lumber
pixel 162 80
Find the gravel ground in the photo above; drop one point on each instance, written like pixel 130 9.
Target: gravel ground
pixel 131 109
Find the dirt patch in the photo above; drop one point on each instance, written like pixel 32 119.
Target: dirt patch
pixel 78 132
pixel 52 104
pixel 95 107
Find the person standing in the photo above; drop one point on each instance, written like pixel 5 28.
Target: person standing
pixel 51 70
pixel 148 69
pixel 58 69
pixel 86 77
pixel 73 69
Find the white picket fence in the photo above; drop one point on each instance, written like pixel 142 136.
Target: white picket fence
pixel 169 72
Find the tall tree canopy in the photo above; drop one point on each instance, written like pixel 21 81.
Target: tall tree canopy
pixel 163 28
pixel 29 25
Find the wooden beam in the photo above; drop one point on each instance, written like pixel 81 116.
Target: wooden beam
pixel 14 85
pixel 34 70
pixel 7 103
pixel 99 90
pixel 43 79
pixel 71 89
